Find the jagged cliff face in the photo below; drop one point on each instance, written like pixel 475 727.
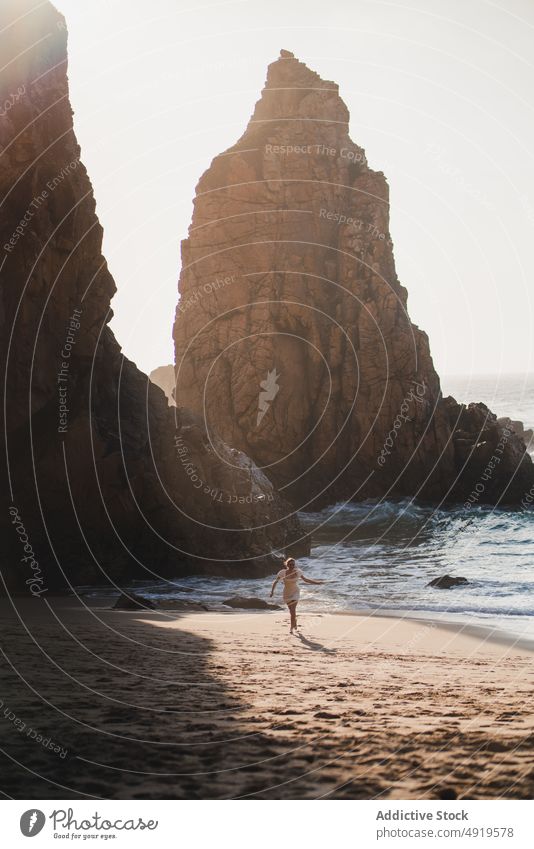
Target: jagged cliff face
pixel 101 480
pixel 292 336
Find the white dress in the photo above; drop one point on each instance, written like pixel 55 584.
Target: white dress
pixel 291 584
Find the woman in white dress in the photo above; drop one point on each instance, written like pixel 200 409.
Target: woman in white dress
pixel 290 576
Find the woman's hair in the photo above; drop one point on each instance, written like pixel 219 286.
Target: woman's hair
pixel 289 561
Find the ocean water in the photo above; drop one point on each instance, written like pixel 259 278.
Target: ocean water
pixel 382 555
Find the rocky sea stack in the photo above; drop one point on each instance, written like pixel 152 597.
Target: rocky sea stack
pixel 292 335
pixel 102 481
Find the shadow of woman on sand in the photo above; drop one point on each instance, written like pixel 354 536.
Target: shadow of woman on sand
pixel 314 646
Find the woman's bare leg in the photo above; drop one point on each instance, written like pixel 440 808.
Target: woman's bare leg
pixel 293 614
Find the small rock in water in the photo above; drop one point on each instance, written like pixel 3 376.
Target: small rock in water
pixel 250 603
pixel 446 582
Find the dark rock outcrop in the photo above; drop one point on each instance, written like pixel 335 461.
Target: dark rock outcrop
pixel 102 480
pixel 446 582
pixel 292 335
pixel 491 463
pixel 526 434
pixel 132 601
pixel 244 603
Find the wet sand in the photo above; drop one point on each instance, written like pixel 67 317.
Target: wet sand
pixel 115 704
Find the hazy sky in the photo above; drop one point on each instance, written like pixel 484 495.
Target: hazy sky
pixel 441 96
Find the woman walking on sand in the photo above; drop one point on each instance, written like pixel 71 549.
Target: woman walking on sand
pixel 291 576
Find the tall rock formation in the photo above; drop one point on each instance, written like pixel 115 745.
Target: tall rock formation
pixel 163 376
pixel 292 336
pixel 102 481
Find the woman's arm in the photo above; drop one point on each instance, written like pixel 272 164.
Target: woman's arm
pixel 274 585
pixel 311 581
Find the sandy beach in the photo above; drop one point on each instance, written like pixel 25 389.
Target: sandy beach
pixel 113 704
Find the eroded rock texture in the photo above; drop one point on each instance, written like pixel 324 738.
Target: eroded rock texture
pixel 103 481
pixel 292 336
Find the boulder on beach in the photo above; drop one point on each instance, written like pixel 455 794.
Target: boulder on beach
pixel 445 582
pixel 131 601
pixel 250 603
